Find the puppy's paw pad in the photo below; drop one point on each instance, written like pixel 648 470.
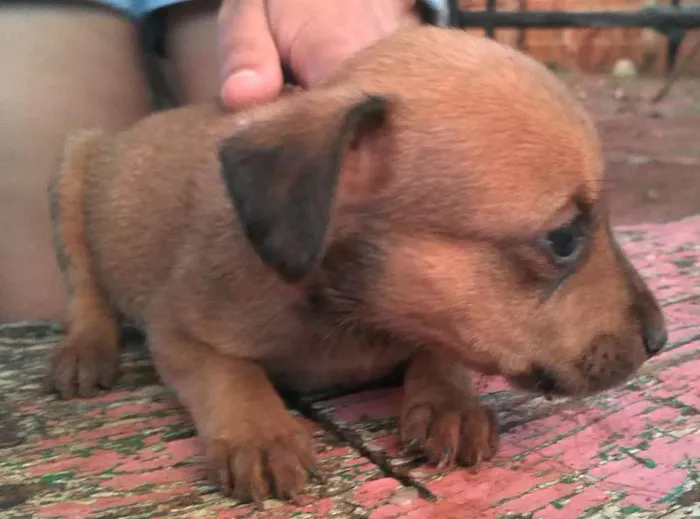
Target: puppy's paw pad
pixel 446 436
pixel 80 366
pixel 273 460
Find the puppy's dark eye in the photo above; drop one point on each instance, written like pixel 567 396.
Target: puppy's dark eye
pixel 564 244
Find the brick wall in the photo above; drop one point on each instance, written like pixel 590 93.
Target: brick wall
pixel 590 50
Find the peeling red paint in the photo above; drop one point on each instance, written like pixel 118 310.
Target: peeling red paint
pixel 133 452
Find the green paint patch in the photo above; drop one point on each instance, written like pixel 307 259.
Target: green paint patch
pixel 593 511
pixel 83 453
pixel 672 496
pixel 649 409
pixel 569 478
pixel 562 501
pixel 648 434
pixel 179 431
pixel 647 462
pixel 50 479
pixel 558 504
pixel 643 445
pixel 145 488
pixel 112 471
pixel 687 410
pixel 47 453
pixel 684 263
pixel 129 445
pixel 604 454
pixel 631 509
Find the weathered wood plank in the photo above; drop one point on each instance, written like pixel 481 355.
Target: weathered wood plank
pixel 132 452
pixel 634 451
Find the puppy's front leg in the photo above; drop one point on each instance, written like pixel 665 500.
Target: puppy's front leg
pixel 441 417
pixel 252 442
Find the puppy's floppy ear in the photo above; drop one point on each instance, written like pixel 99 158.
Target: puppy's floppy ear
pixel 281 171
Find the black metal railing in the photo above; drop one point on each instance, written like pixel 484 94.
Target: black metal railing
pixel 660 18
pixel 671 20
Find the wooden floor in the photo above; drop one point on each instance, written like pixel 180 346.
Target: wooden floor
pixel 633 452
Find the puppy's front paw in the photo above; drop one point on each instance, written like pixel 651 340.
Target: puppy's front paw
pixel 264 456
pixel 447 431
pixel 82 364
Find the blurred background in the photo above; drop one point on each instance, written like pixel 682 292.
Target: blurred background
pixel 642 87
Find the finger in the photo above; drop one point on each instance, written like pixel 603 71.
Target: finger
pixel 249 61
pixel 324 41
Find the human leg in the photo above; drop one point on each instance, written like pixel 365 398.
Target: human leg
pixel 70 66
pixel 191 45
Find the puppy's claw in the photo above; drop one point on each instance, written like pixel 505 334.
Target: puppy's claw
pixel 48 385
pixel 268 460
pixel 455 433
pixel 446 460
pixel 318 474
pixel 294 498
pixel 474 467
pixel 258 502
pixel 81 365
pixel 412 445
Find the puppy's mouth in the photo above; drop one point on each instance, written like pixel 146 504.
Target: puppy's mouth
pixel 542 381
pixel 550 383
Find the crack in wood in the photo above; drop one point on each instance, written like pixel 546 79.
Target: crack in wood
pixel 379 459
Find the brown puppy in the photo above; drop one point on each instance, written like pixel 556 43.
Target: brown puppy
pixel 438 202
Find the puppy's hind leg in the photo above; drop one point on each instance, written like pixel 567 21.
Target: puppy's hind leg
pixel 87 358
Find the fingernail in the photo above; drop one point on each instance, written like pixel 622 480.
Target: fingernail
pixel 244 87
pixel 242 82
pixel 244 75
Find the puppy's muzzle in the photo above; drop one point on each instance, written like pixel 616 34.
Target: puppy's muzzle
pixel 609 359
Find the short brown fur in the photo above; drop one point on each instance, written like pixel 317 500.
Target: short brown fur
pixel 402 212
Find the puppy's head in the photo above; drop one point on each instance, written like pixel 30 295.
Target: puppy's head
pixel 449 190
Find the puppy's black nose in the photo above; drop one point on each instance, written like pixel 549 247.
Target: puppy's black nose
pixel 655 339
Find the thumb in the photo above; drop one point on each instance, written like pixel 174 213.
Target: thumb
pixel 249 62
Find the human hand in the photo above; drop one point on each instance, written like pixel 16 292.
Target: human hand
pixel 310 37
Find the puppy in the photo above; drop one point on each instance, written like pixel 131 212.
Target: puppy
pixel 438 202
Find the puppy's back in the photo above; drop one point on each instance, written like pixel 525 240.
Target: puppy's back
pixel 140 188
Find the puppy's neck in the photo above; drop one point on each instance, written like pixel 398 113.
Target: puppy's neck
pixel 335 294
